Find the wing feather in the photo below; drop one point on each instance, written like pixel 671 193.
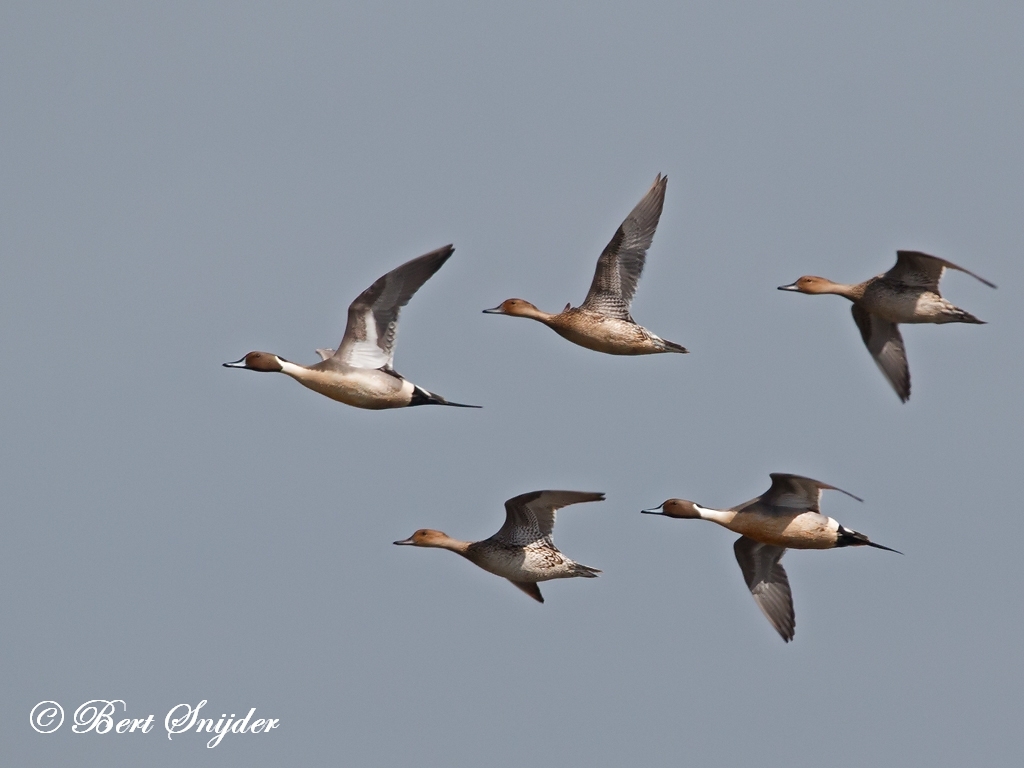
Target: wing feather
pixel 369 340
pixel 885 343
pixel 531 588
pixel 622 261
pixel 767 581
pixel 923 271
pixel 530 517
pixel 798 492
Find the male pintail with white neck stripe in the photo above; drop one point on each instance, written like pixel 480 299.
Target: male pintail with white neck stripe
pixel 786 516
pixel 360 372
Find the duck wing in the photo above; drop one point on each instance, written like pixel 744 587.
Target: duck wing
pixel 797 492
pixel 530 517
pixel 768 583
pixel 885 343
pixel 923 271
pixel 622 262
pixel 369 340
pixel 530 588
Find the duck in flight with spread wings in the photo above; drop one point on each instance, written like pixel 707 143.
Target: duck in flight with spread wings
pixel 522 551
pixel 907 293
pixel 786 516
pixel 602 322
pixel 360 372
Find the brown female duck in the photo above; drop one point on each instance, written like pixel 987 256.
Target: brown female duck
pixel 907 293
pixel 522 551
pixel 786 516
pixel 602 322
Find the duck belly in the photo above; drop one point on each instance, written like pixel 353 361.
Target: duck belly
pixel 908 306
pixel 373 390
pixel 523 564
pixel 608 335
pixel 807 530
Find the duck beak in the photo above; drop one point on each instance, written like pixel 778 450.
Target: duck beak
pixel 790 287
pixel 236 364
pixel 405 541
pixel 655 511
pixel 496 311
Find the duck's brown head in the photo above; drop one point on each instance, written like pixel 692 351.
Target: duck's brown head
pixel 258 361
pixel 810 284
pixel 515 307
pixel 426 537
pixel 675 508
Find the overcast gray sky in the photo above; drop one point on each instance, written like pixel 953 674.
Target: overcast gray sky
pixel 181 185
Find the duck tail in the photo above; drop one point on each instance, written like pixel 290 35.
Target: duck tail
pixel 420 396
pixel 848 538
pixel 961 316
pixel 671 346
pixel 579 569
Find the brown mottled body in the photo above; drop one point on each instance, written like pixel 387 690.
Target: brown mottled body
pixel 607 334
pixel 522 550
pixel 603 323
pixel 898 303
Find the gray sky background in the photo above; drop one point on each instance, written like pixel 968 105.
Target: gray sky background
pixel 181 185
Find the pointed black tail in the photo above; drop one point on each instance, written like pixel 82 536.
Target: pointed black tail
pixel 848 538
pixel 420 396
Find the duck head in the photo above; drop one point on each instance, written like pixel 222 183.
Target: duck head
pixel 810 284
pixel 674 508
pixel 258 361
pixel 427 537
pixel 516 308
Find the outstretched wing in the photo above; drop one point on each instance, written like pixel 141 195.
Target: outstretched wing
pixel 369 340
pixel 768 583
pixel 531 588
pixel 923 271
pixel 885 343
pixel 797 492
pixel 530 517
pixel 622 262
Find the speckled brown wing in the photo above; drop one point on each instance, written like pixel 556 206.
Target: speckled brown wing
pixel 369 340
pixel 920 270
pixel 768 583
pixel 530 517
pixel 622 262
pixel 885 343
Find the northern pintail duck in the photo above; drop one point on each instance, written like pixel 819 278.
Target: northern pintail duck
pixel 522 551
pixel 360 372
pixel 602 322
pixel 907 293
pixel 787 516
